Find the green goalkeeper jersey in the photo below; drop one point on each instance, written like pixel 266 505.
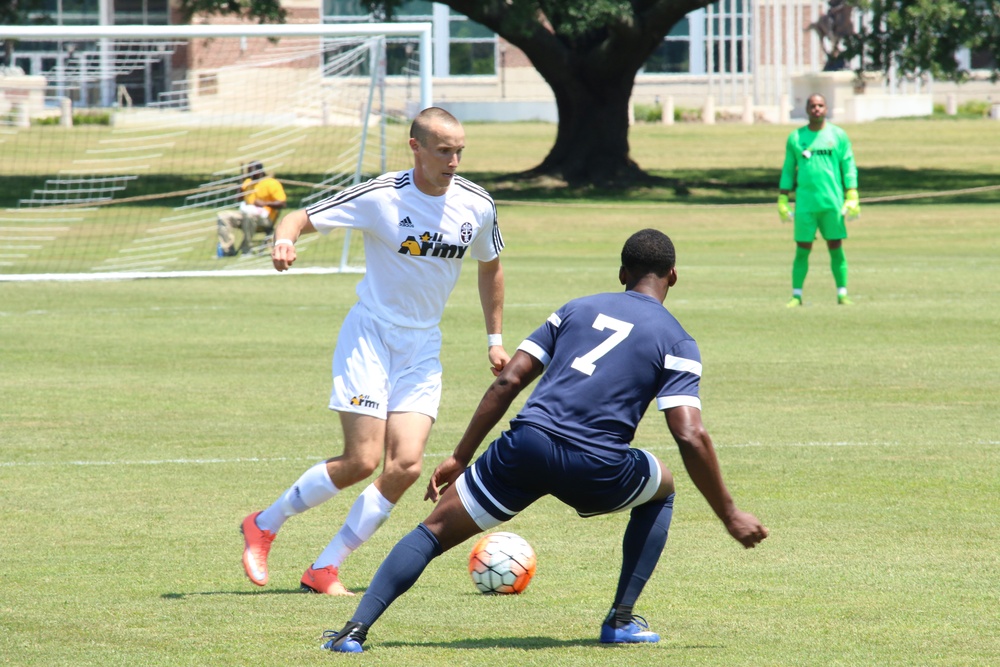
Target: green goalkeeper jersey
pixel 819 167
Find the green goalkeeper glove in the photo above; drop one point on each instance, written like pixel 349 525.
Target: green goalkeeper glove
pixel 852 207
pixel 784 212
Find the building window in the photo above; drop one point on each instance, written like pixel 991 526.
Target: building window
pixel 725 35
pixel 712 40
pixel 982 60
pixel 141 12
pixel 673 56
pixel 472 47
pixel 87 12
pixel 461 46
pixel 72 65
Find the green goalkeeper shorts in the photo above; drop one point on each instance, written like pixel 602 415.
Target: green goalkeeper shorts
pixel 830 224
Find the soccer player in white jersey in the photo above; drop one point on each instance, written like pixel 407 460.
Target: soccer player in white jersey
pixel 605 358
pixel 418 226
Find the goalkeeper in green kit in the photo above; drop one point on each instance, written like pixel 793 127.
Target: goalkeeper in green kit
pixel 819 167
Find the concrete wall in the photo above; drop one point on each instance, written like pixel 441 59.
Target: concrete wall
pixel 21 94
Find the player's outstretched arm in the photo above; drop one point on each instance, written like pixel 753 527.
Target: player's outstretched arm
pixel 519 372
pixel 286 234
pixel 702 465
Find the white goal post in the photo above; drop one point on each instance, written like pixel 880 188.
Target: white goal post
pixel 125 146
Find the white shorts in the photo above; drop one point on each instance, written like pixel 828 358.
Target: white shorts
pixel 380 367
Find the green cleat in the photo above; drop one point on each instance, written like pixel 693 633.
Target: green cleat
pixel 794 303
pixel 844 301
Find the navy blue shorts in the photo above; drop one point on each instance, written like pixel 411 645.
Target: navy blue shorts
pixel 526 463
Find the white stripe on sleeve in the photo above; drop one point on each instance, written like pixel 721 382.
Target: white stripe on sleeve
pixel 666 402
pixel 536 351
pixel 681 364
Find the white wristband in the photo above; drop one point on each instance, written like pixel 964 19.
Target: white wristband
pixel 494 339
pixel 284 242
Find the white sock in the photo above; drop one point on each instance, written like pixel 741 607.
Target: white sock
pixel 797 292
pixel 313 488
pixel 841 291
pixel 369 511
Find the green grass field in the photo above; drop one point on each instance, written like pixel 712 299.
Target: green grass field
pixel 141 421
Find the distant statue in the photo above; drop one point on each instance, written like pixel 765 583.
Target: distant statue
pixel 832 28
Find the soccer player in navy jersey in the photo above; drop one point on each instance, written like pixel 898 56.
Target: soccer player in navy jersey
pixel 605 358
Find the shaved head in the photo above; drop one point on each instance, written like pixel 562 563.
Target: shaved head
pixel 422 125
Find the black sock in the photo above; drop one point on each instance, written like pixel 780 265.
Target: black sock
pixel 645 537
pixel 619 616
pixel 398 572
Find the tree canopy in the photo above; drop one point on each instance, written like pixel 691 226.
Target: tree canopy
pixel 917 36
pixel 261 11
pixel 15 12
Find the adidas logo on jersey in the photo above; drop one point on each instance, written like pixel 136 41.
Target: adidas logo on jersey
pixel 406 222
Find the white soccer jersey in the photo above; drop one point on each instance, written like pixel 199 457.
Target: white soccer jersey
pixel 414 243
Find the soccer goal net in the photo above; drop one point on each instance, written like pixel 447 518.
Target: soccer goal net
pixel 125 147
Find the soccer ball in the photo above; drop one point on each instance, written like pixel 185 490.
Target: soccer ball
pixel 502 563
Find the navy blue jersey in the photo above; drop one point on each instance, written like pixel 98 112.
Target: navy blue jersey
pixel 607 356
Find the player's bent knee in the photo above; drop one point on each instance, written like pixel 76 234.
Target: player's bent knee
pixel 404 473
pixel 666 483
pixel 354 468
pixel 366 467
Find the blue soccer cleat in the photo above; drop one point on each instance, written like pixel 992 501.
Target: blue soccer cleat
pixel 348 640
pixel 636 632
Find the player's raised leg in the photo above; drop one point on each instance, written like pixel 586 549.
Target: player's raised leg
pixel 259 529
pixel 363 442
pixel 405 435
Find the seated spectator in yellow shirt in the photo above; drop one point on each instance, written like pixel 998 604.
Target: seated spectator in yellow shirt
pixel 263 197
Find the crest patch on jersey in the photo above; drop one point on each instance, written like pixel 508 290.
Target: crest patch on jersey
pixel 466 232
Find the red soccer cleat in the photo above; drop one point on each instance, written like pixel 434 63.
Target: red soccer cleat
pixel 257 545
pixel 324 580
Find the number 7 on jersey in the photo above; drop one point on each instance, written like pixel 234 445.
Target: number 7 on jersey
pixel 620 331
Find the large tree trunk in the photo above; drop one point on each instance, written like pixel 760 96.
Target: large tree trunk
pixel 589 54
pixel 591 144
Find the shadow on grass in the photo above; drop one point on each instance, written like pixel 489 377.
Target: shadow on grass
pixel 701 187
pixel 750 186
pixel 488 643
pixel 22 187
pixel 358 591
pixel 523 643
